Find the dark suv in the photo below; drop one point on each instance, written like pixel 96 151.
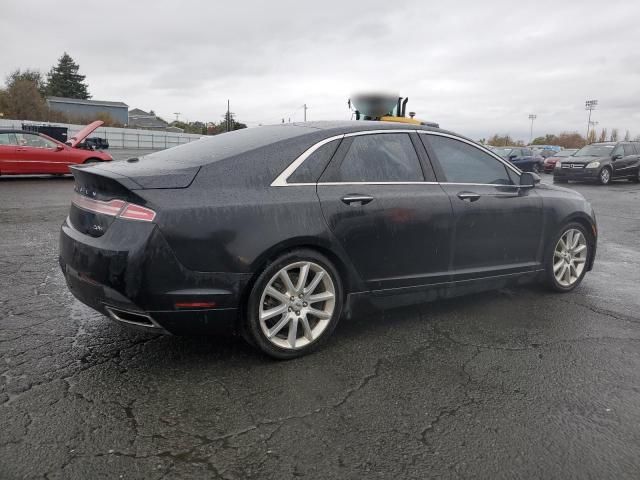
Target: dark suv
pixel 601 162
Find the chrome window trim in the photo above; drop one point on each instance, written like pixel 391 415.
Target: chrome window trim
pixel 375 183
pixel 281 180
pixel 473 144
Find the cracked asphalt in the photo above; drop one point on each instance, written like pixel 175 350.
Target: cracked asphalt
pixel 518 383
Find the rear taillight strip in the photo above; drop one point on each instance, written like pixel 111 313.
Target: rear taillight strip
pixel 114 208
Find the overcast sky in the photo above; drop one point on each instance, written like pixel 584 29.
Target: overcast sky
pixel 475 67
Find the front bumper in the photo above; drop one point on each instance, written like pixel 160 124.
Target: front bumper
pixel 131 275
pixel 578 174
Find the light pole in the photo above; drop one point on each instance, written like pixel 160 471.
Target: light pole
pixel 532 117
pixel 590 105
pixel 593 124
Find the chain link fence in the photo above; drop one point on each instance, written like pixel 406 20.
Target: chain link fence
pixel 119 138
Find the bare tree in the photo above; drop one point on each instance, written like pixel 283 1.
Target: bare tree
pixel 614 134
pixel 603 135
pixel 627 136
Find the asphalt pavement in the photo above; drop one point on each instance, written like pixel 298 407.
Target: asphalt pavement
pixel 517 383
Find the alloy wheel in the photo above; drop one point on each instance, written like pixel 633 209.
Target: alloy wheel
pixel 297 304
pixel 605 176
pixel 570 257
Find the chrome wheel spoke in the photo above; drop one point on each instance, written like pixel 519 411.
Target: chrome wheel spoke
pixel 306 328
pixel 320 297
pixel 272 292
pixel 278 326
pixel 319 313
pixel 302 279
pixel 266 315
pixel 579 249
pixel 557 266
pixel 315 282
pixel 293 332
pixel 286 280
pixel 579 260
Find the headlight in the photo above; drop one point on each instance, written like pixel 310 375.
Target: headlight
pixel 558 165
pixel 593 165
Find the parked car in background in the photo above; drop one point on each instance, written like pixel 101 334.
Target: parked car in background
pixel 23 152
pixel 522 157
pixel 545 151
pixel 550 162
pixel 275 231
pixel 601 162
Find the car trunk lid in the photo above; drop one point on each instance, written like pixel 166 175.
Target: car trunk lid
pixel 100 197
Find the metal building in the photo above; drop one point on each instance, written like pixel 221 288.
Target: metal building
pixel 89 109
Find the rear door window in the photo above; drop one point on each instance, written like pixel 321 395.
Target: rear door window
pixel 385 157
pixel 629 150
pixel 8 139
pixel 464 163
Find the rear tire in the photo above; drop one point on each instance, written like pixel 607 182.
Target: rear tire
pixel 294 305
pixel 91 160
pixel 604 177
pixel 566 258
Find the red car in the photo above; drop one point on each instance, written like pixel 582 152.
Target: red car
pixel 550 162
pixel 24 152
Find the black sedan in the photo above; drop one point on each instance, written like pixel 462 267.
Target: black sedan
pixel 524 158
pixel 276 232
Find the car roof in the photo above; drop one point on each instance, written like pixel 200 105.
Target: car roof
pixel 15 130
pixel 347 126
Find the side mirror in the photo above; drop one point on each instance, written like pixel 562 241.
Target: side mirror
pixel 617 156
pixel 511 157
pixel 529 179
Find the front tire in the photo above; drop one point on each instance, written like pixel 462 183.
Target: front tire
pixel 294 305
pixel 567 257
pixel 535 168
pixel 604 177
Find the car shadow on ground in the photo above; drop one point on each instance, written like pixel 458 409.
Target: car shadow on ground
pixel 184 351
pixel 22 178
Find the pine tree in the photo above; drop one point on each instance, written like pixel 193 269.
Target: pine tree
pixel 63 80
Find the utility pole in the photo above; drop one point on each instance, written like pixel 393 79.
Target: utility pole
pixel 590 105
pixel 532 117
pixel 305 111
pixel 177 114
pixel 228 117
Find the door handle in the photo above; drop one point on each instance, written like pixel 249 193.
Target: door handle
pixel 468 196
pixel 356 200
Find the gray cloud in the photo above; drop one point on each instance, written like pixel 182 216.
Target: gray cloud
pixel 473 67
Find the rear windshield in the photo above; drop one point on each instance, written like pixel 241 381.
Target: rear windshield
pixel 218 147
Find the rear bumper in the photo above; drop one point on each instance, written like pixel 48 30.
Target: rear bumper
pixel 131 275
